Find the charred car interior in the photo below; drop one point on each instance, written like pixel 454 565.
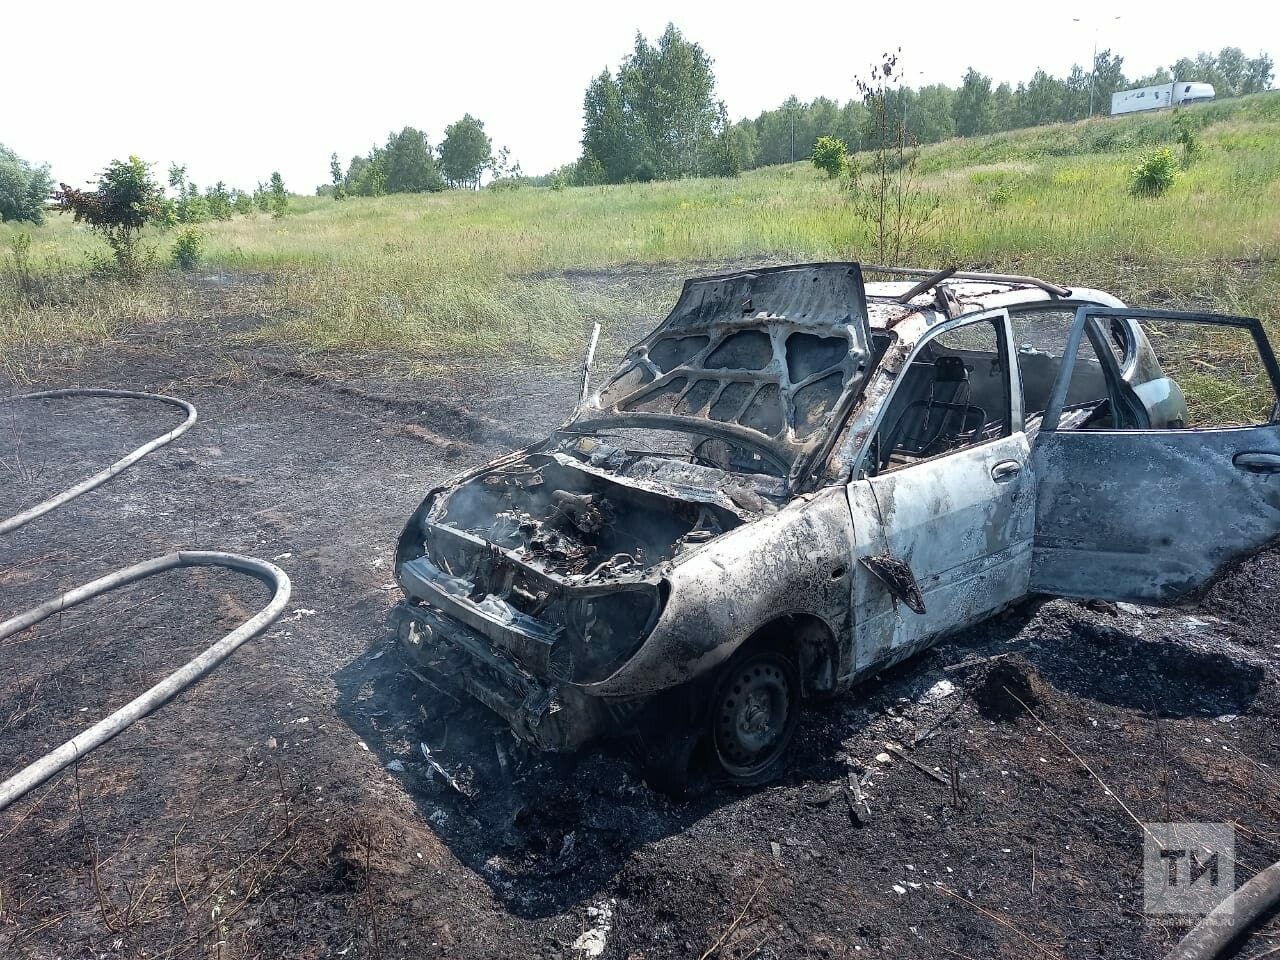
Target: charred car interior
pixel 799 479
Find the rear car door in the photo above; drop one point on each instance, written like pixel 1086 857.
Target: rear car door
pixel 1128 512
pixel 943 490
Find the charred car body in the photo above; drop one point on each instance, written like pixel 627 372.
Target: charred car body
pixel 799 479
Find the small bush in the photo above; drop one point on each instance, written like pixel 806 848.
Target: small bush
pixel 831 155
pixel 1000 195
pixel 127 199
pixel 188 248
pixel 1155 173
pixel 1188 135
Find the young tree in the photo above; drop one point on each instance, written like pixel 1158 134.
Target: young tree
pixel 23 188
pixel 886 195
pixel 1003 108
pixel 279 196
pixel 1044 99
pixel 931 116
pixel 409 164
pixel 1108 78
pixel 1075 103
pixel 335 174
pixel 1259 72
pixel 659 117
pixel 465 153
pixel 126 199
pixel 220 201
pixel 668 92
pixel 366 176
pixel 746 143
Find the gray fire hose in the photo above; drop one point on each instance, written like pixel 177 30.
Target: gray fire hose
pixel 1231 918
pixel 124 463
pixel 41 770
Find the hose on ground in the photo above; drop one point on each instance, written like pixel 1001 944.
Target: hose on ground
pixel 124 463
pixel 41 770
pixel 102 731
pixel 1229 919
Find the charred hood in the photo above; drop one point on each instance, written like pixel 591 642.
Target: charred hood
pixel 769 358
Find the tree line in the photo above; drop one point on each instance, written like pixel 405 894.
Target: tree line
pixel 657 117
pixel 977 106
pixel 407 163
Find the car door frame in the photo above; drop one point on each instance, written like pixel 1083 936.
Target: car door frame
pixel 1156 537
pixel 883 633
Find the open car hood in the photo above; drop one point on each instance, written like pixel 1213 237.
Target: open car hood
pixel 771 358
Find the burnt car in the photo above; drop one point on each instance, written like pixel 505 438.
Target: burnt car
pixel 798 480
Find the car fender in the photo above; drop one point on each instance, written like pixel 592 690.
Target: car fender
pixel 794 562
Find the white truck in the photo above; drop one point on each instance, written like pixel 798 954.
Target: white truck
pixel 1159 96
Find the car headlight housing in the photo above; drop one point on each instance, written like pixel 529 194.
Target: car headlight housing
pixel 606 629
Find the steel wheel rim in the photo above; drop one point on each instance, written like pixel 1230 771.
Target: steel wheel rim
pixel 752 717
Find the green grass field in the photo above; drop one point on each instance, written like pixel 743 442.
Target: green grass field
pixel 431 275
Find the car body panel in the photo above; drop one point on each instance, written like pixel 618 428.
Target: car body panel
pixel 965 535
pixel 1151 515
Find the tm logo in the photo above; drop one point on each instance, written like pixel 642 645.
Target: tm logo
pixel 1187 868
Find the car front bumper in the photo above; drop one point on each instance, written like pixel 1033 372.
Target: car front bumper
pixel 550 716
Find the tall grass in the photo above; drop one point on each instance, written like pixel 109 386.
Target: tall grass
pixel 491 271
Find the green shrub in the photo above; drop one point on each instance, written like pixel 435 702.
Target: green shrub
pixel 1155 173
pixel 831 155
pixel 1000 195
pixel 1188 135
pixel 127 199
pixel 188 248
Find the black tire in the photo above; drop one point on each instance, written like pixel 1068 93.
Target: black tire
pixel 753 716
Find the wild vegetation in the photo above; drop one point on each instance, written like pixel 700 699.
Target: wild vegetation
pixel 485 271
pixel 978 106
pixel 23 188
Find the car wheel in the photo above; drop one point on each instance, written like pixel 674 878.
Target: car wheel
pixel 754 714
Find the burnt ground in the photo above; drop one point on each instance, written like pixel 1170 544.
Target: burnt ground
pixel 256 816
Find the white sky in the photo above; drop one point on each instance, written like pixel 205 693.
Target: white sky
pixel 236 89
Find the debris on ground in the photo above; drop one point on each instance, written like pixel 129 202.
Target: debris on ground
pixel 1005 687
pixel 593 941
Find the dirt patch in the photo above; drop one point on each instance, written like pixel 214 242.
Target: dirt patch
pixel 285 807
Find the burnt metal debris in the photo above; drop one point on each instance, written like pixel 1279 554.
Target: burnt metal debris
pixel 731 523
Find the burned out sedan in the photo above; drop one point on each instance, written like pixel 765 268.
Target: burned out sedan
pixel 798 480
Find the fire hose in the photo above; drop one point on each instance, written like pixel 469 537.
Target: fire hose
pixel 124 463
pixel 1228 921
pixel 42 769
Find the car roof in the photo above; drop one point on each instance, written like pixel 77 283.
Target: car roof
pixel 910 320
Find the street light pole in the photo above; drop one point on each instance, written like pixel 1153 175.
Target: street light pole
pixel 1093 64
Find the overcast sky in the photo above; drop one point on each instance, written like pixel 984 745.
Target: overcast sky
pixel 238 88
